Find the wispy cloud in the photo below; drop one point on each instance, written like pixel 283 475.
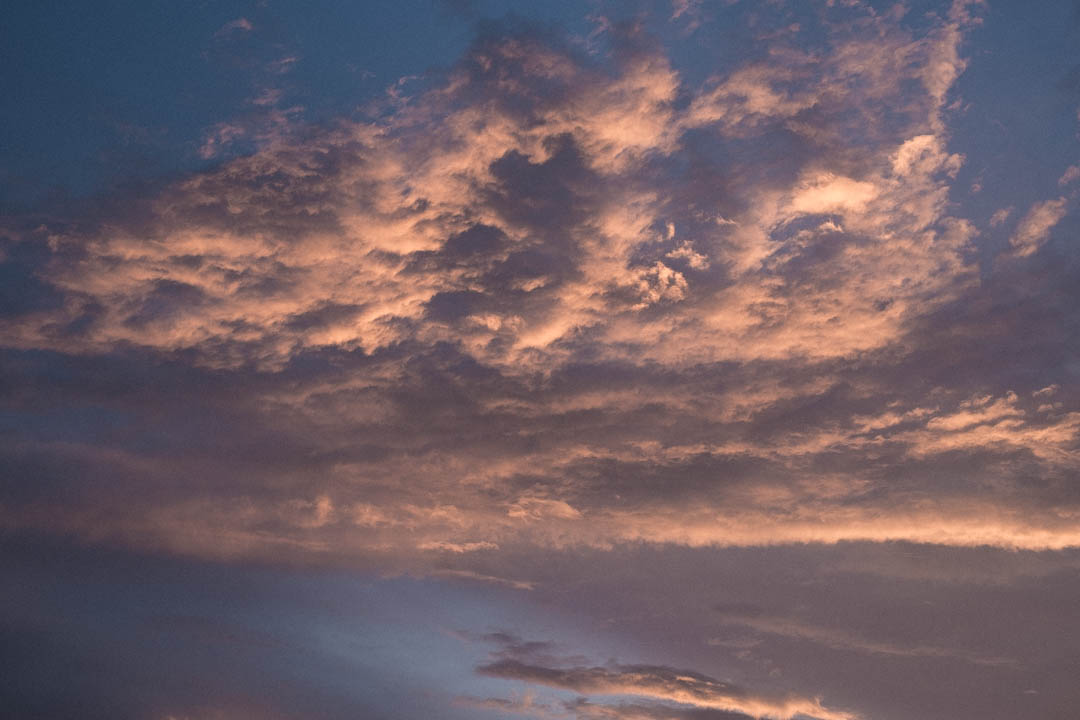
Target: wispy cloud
pixel 841 639
pixel 670 692
pixel 667 684
pixel 239 24
pixel 1034 228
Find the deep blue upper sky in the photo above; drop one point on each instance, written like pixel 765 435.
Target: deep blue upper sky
pixel 112 93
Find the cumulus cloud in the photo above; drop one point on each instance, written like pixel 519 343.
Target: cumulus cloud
pixel 535 303
pixel 545 151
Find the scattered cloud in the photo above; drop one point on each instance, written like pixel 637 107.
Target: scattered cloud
pixel 1034 228
pixel 1000 216
pixel 239 24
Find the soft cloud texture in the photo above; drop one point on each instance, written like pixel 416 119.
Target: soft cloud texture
pixel 1035 226
pixel 718 355
pixel 661 683
pixel 532 304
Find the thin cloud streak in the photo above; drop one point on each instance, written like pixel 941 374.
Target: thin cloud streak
pixel 661 683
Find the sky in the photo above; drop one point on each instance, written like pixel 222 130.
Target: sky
pixel 674 360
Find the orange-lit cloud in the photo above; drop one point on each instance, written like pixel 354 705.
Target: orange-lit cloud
pixel 661 683
pixel 522 307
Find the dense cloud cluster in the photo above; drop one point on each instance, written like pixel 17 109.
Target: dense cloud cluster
pixel 567 299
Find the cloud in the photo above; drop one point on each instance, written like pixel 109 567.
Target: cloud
pixel 342 219
pixel 239 24
pixel 664 692
pixel 526 705
pixel 586 710
pixel 703 363
pixel 840 639
pixel 479 577
pixel 583 709
pixel 562 300
pixel 1034 228
pixel 1000 216
pixel 219 137
pixel 665 684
